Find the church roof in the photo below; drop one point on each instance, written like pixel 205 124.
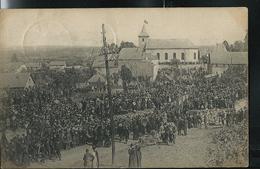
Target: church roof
pixel 143 33
pixel 169 44
pixel 13 80
pixel 131 54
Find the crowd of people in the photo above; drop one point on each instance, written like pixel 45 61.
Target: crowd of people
pixel 51 124
pixel 54 121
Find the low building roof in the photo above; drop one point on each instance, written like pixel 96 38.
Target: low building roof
pixel 220 55
pixel 99 62
pixel 169 44
pixel 139 68
pixel 131 54
pixel 111 70
pixel 57 63
pixel 13 80
pixel 11 67
pixel 97 77
pixel 210 76
pixel 239 57
pixel 33 64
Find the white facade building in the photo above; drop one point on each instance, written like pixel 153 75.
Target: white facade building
pixel 151 55
pixel 165 50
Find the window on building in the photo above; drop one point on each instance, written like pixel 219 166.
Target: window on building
pixel 195 55
pixel 158 56
pixel 166 56
pixel 174 55
pixel 182 56
pixel 143 39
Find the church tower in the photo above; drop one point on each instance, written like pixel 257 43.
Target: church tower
pixel 143 37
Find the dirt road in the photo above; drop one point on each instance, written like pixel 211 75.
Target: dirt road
pixel 189 151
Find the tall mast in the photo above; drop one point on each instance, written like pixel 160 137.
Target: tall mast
pixel 105 53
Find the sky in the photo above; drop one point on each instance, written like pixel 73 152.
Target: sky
pixel 82 27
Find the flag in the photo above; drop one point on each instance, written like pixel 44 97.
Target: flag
pixel 145 21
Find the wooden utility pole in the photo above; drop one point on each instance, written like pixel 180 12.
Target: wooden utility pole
pixel 105 52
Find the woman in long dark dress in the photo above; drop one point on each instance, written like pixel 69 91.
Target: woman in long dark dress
pixel 138 156
pixel 132 157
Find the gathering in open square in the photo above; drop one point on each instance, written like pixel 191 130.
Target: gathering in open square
pixel 163 110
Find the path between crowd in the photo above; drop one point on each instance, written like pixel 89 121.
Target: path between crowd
pixel 189 151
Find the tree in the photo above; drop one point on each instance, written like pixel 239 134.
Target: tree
pixel 246 42
pixel 126 45
pixel 126 76
pixel 204 59
pixel 113 48
pixel 225 43
pixel 238 46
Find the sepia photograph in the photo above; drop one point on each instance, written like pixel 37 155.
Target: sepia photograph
pixel 124 88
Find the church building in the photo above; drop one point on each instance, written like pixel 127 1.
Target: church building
pixel 151 55
pixel 165 50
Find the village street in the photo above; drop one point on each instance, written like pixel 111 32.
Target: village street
pixel 183 154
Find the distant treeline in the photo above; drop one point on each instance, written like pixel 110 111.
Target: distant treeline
pixel 238 46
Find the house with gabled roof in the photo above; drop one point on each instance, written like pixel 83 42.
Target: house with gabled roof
pixel 33 66
pixel 220 58
pixel 97 82
pixel 57 65
pixel 131 54
pixel 16 81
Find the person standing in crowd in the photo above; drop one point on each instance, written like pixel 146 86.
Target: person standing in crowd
pixel 172 136
pixel 162 132
pixel 138 155
pixel 185 125
pixel 199 120
pixel 96 157
pixel 4 146
pixel 88 159
pixel 205 121
pixel 189 118
pixel 228 118
pixel 132 156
